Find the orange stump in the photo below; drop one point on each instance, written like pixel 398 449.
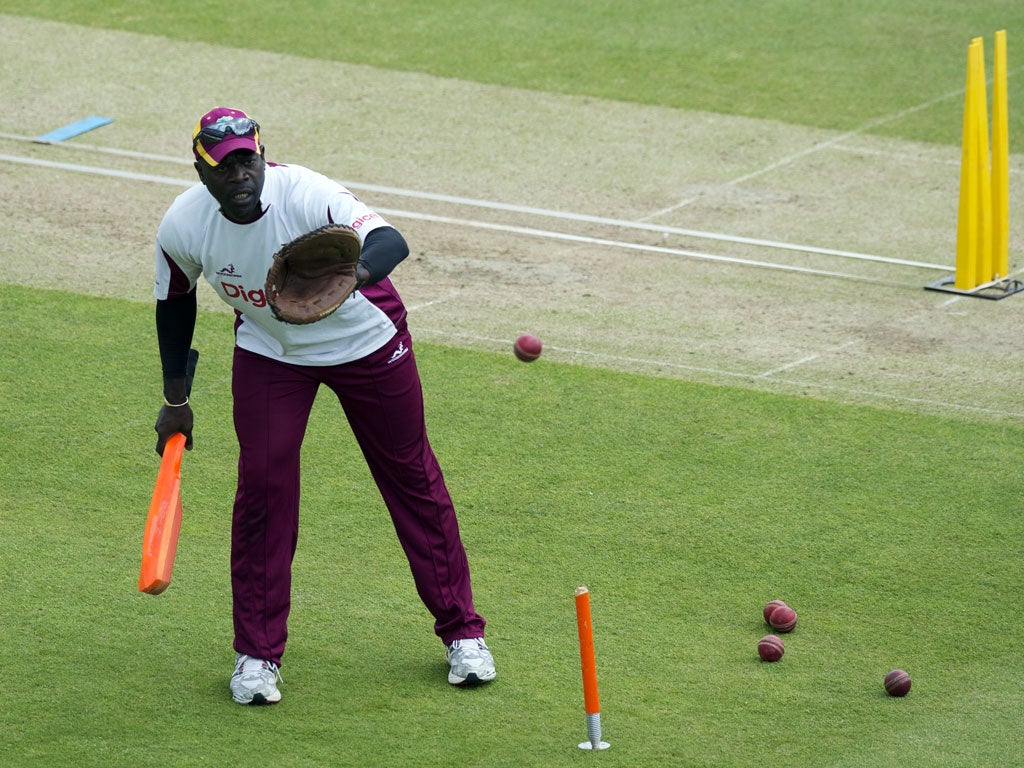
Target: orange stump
pixel 588 663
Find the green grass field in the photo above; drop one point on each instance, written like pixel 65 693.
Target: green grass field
pixel 684 508
pixel 897 537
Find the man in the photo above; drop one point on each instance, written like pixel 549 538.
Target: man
pixel 227 230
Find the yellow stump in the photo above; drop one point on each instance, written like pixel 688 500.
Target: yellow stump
pixel 982 248
pixel 1000 163
pixel 980 116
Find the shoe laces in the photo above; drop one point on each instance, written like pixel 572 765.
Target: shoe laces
pixel 468 647
pixel 250 665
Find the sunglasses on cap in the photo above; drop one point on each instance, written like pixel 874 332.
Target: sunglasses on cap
pixel 214 133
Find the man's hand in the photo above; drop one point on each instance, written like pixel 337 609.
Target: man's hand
pixel 171 420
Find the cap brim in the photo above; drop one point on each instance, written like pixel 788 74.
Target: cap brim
pixel 213 155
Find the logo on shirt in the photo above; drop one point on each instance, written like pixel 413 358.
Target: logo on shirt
pixel 363 219
pixel 254 296
pixel 398 353
pixel 228 271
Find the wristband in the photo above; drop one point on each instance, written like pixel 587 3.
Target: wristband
pixel 175 405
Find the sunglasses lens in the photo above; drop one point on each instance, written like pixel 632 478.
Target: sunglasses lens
pixel 239 126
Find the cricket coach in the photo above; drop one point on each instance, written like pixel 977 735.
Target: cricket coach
pixel 228 229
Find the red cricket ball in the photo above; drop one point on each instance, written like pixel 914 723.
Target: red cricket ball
pixel 770 608
pixel 770 648
pixel 897 683
pixel 783 619
pixel 527 348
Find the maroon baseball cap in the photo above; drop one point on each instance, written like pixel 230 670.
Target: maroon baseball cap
pixel 222 131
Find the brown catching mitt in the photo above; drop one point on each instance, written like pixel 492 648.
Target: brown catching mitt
pixel 313 274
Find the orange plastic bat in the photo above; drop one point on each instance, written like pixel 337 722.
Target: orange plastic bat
pixel 160 541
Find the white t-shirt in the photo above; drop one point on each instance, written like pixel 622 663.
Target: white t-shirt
pixel 195 239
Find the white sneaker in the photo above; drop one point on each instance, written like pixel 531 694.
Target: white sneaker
pixel 254 681
pixel 471 662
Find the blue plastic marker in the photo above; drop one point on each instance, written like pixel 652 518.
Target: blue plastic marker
pixel 74 129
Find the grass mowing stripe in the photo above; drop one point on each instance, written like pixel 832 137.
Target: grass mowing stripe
pixel 683 507
pixel 829 64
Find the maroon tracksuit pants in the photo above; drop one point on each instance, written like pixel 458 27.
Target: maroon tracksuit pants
pixel 383 402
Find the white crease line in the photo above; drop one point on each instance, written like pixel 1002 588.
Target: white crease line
pixel 96 148
pixel 817 147
pixel 901 398
pixel 96 171
pixel 912 158
pixel 426 304
pixel 735 375
pixel 641 225
pixel 580 353
pixel 802 361
pixel 533 211
pixel 547 234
